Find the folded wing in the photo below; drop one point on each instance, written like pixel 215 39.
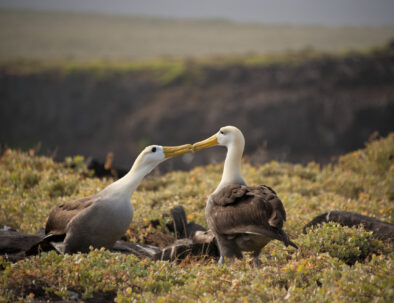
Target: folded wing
pixel 61 214
pixel 243 209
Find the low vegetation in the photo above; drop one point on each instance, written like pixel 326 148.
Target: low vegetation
pixel 333 264
pixel 168 70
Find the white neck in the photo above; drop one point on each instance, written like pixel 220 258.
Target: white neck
pixel 126 185
pixel 232 167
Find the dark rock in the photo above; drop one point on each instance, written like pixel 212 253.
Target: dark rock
pixel 381 230
pixel 137 249
pixel 7 228
pixel 178 215
pixel 158 238
pixel 193 228
pixel 41 232
pixel 12 242
pixel 193 240
pixel 46 243
pixel 180 227
pixel 102 297
pixel 185 247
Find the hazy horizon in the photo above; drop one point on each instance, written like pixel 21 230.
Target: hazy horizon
pixel 301 12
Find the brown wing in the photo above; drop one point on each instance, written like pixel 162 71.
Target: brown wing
pixel 278 211
pixel 236 208
pixel 230 194
pixel 62 213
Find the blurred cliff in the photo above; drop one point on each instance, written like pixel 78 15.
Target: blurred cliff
pixel 313 109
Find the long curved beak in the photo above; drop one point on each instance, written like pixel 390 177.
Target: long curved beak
pixel 172 151
pixel 211 141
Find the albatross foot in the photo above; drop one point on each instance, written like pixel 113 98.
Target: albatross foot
pixel 257 262
pixel 255 255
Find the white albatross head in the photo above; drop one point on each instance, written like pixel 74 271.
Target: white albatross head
pixel 228 136
pixel 146 161
pixel 153 155
pixel 233 139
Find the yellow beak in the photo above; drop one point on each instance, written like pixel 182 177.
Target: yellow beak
pixel 211 141
pixel 172 151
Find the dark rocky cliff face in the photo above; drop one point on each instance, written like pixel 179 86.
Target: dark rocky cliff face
pixel 303 112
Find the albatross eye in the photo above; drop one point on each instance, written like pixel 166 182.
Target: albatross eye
pixel 153 149
pixel 222 132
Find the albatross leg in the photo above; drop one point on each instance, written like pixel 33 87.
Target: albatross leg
pixel 228 249
pixel 256 255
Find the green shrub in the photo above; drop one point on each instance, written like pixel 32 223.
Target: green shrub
pixel 347 244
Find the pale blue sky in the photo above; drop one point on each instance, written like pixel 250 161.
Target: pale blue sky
pixel 326 12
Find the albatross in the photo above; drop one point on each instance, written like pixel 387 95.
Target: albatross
pixel 102 219
pixel 242 218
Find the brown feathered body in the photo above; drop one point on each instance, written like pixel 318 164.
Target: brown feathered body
pixel 245 218
pixel 102 219
pixel 92 221
pixel 61 214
